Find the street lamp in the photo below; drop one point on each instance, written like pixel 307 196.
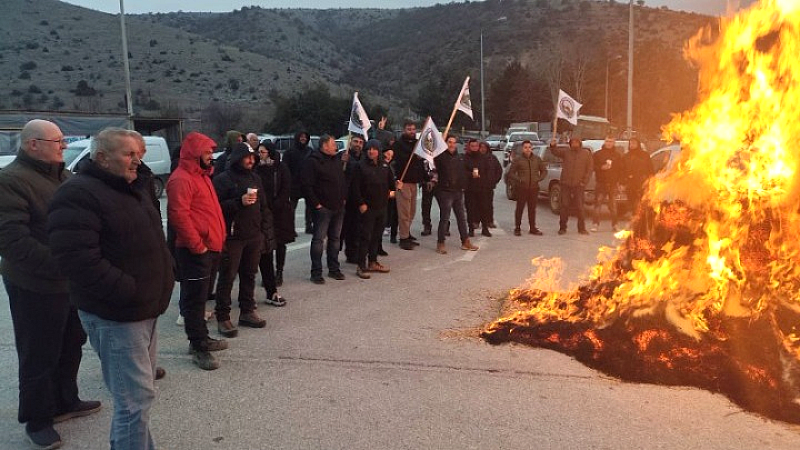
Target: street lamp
pixel 126 64
pixel 483 91
pixel 629 124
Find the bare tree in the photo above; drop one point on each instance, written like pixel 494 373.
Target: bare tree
pixel 218 118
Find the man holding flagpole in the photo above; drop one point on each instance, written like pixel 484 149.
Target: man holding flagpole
pixel 412 173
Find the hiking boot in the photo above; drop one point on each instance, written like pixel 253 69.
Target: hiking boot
pixel 467 245
pixel 407 244
pixel 46 438
pixel 535 231
pixel 317 279
pixel 375 266
pixel 361 272
pixel 160 373
pixel 337 275
pixel 79 409
pixel 562 231
pixel 440 248
pixel 204 360
pixel 279 277
pixel 426 231
pixel 251 320
pixel 211 345
pixel 382 252
pixel 486 232
pixel 226 328
pixel 517 232
pixel 275 300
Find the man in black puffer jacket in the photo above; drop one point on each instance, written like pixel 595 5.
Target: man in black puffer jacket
pixel 249 225
pixel 295 158
pixel 107 237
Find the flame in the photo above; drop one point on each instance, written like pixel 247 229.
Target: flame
pixel 718 236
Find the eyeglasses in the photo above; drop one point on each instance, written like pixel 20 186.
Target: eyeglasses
pixel 58 141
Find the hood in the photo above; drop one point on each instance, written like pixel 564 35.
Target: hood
pixel 241 150
pixel 232 138
pixel 297 139
pixel 194 144
pixel 273 152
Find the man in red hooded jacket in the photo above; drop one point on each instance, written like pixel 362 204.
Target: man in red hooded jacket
pixel 195 216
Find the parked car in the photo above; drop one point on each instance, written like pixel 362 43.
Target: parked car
pixel 157 158
pixel 665 158
pixel 494 141
pixel 517 138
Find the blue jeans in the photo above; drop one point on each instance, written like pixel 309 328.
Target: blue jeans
pixel 127 352
pixel 327 224
pixel 451 200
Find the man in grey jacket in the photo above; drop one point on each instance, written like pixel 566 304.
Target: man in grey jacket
pixel 47 330
pixel 576 169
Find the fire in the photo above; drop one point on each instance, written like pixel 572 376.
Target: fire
pixel 711 259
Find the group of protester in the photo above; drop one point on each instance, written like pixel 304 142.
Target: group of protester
pixel 85 254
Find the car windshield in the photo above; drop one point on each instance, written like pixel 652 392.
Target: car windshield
pixel 516 137
pixel 73 151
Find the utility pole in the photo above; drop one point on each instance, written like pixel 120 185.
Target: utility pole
pixel 629 124
pixel 483 95
pixel 126 65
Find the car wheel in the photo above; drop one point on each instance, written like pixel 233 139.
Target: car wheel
pixel 511 193
pixel 555 198
pixel 158 187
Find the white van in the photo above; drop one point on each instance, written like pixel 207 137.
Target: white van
pixel 156 158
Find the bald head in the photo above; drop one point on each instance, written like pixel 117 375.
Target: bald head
pixel 43 140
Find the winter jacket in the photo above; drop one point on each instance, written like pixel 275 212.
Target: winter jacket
pixel 244 222
pixel 477 160
pixel 324 182
pixel 403 150
pixel 193 210
pixel 495 170
pixel 576 168
pixel 638 168
pixel 295 158
pixel 223 161
pixel 107 237
pixel 26 187
pixel 372 182
pixel 527 172
pixel 609 176
pixel 451 170
pixel 277 182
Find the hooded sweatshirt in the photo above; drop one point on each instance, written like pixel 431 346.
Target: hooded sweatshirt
pixel 295 159
pixel 244 222
pixel 193 210
pixel 222 163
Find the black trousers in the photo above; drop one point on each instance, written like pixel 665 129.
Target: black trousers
pixel 427 203
pixel 308 212
pixel 572 201
pixel 391 218
pixel 526 197
pixel 372 222
pixel 267 267
pixel 351 232
pixel 239 257
pixel 49 337
pixel 195 276
pixel 477 205
pixel 490 195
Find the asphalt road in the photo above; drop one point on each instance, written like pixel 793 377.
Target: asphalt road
pixel 394 363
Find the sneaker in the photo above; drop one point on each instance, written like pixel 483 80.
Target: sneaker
pixel 204 360
pixel 79 409
pixel 275 300
pixel 251 320
pixel 226 328
pixel 160 373
pixel 517 232
pixel 595 227
pixel 562 231
pixel 375 266
pixel 583 232
pixel 362 273
pixel 46 438
pixel 440 248
pixel 407 244
pixel 536 232
pixel 179 321
pixel 426 231
pixel 382 252
pixel 279 278
pixel 492 225
pixel 338 275
pixel 317 279
pixel 486 232
pixel 214 345
pixel 467 245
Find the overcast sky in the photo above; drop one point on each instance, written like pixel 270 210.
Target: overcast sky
pixel 714 7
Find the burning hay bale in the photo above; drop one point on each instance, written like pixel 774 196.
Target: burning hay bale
pixel 705 290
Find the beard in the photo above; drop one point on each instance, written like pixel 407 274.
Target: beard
pixel 203 164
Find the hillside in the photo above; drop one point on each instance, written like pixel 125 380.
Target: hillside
pixel 58 56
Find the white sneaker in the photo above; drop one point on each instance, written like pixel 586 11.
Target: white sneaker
pixel 210 315
pixel 594 228
pixel 180 320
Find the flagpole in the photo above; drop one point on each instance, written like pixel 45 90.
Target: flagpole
pixel 450 122
pixel 413 154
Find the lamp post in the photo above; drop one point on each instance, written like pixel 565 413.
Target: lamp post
pixel 629 123
pixel 126 65
pixel 483 96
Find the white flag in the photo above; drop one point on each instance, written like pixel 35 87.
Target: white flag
pixel 464 104
pixel 430 143
pixel 567 108
pixel 359 122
